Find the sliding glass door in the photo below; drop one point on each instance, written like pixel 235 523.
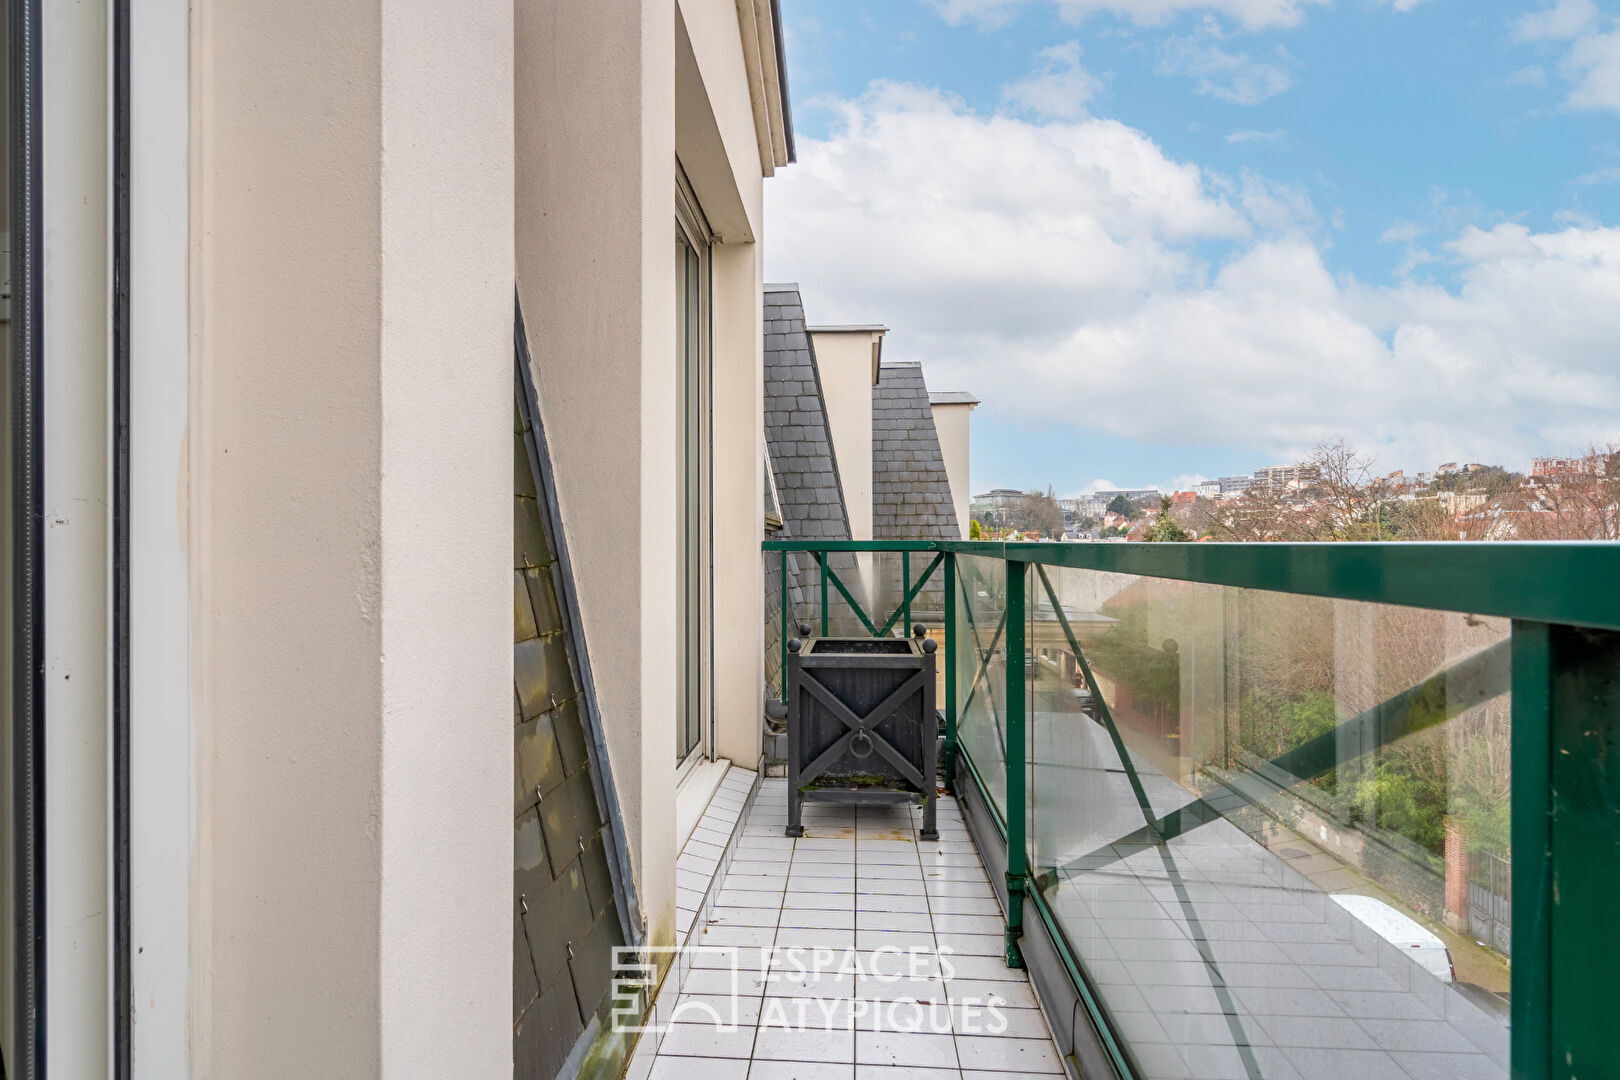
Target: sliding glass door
pixel 693 351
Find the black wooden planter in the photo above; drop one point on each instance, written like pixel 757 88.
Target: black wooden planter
pixel 861 724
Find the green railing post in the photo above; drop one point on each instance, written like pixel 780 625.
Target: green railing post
pixel 905 594
pixel 821 560
pixel 786 631
pixel 1017 856
pixel 1531 843
pixel 950 673
pixel 1566 849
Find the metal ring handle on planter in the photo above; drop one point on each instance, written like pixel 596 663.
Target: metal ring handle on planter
pixel 861 744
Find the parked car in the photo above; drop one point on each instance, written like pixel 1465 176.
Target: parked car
pixel 1401 931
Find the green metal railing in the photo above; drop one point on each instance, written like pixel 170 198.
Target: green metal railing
pixel 1563 600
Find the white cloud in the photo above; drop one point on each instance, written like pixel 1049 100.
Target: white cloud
pixel 1060 89
pixel 988 14
pixel 1402 232
pixel 1533 76
pixel 1593 66
pixel 1277 135
pixel 1058 269
pixel 1600 176
pixel 1404 6
pixel 1592 63
pixel 1238 78
pixel 1251 14
pixel 1564 19
pixel 1092 488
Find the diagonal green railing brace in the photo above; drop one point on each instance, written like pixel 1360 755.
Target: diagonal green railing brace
pixel 904 610
pixel 1465 685
pixel 1097 698
pixel 854 605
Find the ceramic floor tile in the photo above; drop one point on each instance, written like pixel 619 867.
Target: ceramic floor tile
pixel 904 1014
pixel 904 940
pixel 899 902
pixel 879 987
pixel 1011 1055
pixel 900 1072
pixel 877 886
pixel 719 1010
pixel 745 916
pixel 972 944
pixel 1011 995
pixel 698 1068
pixel 814 938
pixel 808 1013
pixel 706 1040
pixel 822 901
pixel 894 920
pixel 780 1044
pixel 738 935
pixel 813 918
pixel 913 1049
pixel 724 982
pixel 947 923
pixel 998 1022
pixel 800 1070
pixel 734 897
pixel 987 904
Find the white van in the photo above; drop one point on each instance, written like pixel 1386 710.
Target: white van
pixel 1401 931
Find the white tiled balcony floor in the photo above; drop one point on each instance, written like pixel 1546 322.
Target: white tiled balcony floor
pixel 854 953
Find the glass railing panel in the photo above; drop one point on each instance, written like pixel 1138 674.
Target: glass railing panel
pixel 1273 828
pixel 981 671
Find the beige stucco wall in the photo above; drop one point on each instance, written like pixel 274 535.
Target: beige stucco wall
pixel 844 359
pixel 351 171
pixel 952 424
pixel 595 197
pixel 608 98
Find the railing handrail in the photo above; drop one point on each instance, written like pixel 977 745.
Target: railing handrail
pixel 1571 582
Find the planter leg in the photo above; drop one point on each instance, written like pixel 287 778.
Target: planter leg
pixel 930 771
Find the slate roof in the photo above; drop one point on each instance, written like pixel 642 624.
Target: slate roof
pixel 911 493
pixel 796 431
pixel 809 493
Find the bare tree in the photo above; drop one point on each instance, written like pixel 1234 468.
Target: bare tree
pixel 1581 503
pixel 1347 497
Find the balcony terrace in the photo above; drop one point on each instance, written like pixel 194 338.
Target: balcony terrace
pixel 1243 806
pixel 854 951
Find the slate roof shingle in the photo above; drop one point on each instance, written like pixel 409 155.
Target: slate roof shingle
pixel 911 492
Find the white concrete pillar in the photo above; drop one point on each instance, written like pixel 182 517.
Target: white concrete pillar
pixel 354 275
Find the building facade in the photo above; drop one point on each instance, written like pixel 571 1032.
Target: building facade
pixel 284 803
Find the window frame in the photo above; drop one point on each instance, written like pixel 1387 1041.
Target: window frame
pixel 692 228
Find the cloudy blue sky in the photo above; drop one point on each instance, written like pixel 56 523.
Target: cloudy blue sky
pixel 1164 239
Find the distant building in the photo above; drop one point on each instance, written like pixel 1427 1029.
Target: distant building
pixel 1285 477
pixel 1002 498
pixel 1225 486
pixel 1458 502
pixel 1549 468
